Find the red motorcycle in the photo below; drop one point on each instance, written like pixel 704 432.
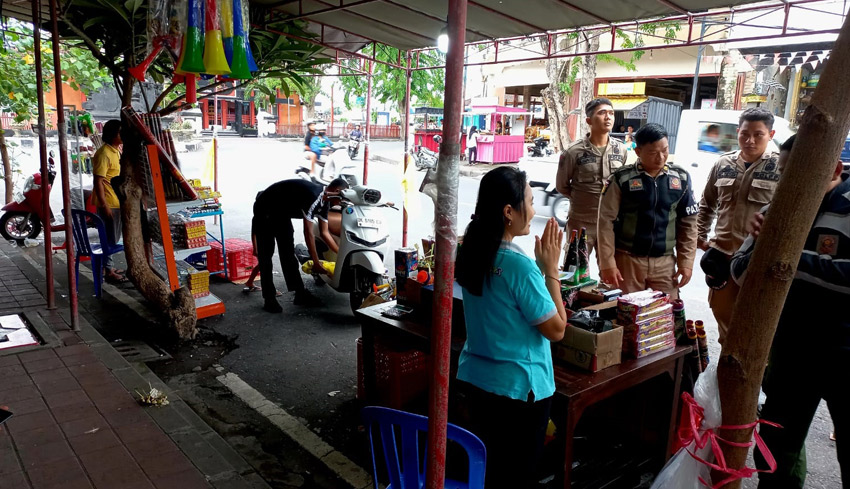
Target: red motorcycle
pixel 23 218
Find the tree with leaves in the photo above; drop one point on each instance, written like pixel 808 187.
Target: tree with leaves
pixel 114 31
pixel 563 72
pixel 389 84
pixel 18 94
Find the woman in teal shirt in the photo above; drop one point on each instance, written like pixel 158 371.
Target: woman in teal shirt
pixel 513 310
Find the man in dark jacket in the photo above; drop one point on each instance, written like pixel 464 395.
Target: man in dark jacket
pixel 812 341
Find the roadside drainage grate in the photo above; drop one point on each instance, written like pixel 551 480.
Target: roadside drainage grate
pixel 139 351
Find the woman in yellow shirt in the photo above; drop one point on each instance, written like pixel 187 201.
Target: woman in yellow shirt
pixel 106 166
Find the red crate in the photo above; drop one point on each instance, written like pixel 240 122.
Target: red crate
pixel 240 258
pixel 401 375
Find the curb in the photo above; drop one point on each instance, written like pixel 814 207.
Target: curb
pixel 217 461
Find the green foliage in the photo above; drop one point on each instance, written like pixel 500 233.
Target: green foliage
pixel 17 70
pixel 671 29
pixel 389 84
pixel 115 32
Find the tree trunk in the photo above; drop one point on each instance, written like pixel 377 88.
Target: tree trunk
pixel 823 129
pixel 7 168
pixel 727 84
pixel 311 112
pixel 588 82
pixel 555 99
pixel 177 308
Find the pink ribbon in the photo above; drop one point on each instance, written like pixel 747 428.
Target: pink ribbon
pixel 701 438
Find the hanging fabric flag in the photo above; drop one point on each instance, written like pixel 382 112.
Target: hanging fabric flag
pixel 815 63
pixel 782 68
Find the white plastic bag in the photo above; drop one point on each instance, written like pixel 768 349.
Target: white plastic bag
pixel 683 471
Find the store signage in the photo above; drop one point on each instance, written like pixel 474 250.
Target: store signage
pixel 633 88
pixel 754 99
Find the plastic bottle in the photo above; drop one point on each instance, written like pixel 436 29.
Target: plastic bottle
pixel 30 243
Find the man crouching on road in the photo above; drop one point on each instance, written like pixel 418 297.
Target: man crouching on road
pixel 274 210
pixel 647 212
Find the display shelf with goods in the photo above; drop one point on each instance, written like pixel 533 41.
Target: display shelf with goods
pixel 175 235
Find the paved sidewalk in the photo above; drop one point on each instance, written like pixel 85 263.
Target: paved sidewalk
pixel 76 423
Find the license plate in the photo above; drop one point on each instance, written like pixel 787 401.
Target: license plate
pixel 368 222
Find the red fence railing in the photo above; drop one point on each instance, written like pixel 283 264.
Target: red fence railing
pixel 342 128
pixel 7 121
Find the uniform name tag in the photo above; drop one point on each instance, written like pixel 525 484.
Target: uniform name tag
pixel 766 175
pixel 635 184
pixel 615 157
pixel 675 183
pixel 828 244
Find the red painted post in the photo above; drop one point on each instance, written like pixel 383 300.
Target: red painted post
pixel 63 166
pixel 405 133
pixel 368 122
pixel 446 231
pixel 42 149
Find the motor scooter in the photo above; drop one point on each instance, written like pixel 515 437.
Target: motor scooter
pixel 333 163
pixel 363 244
pixel 540 147
pixel 353 147
pixel 23 217
pixel 424 158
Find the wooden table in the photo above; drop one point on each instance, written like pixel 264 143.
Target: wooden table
pixel 580 389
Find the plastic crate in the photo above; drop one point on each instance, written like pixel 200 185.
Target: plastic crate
pixel 240 258
pixel 401 375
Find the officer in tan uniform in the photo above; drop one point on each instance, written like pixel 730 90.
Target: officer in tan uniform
pixel 647 221
pixel 586 164
pixel 739 184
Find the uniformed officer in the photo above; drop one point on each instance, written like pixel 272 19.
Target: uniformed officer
pixel 740 184
pixel 812 340
pixel 586 164
pixel 647 220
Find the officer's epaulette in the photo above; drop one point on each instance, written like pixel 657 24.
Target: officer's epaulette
pixel 626 170
pixel 574 143
pixel 617 139
pixel 680 172
pixel 729 152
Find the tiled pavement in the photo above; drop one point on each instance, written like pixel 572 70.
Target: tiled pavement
pixel 76 424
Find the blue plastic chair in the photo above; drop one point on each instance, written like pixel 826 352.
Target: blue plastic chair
pixel 95 251
pixel 405 464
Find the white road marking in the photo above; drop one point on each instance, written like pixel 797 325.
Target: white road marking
pixel 341 465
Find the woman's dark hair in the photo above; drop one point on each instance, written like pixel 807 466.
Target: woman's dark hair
pixel 475 258
pixel 473 129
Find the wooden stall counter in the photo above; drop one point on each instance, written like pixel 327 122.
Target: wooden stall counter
pixel 576 388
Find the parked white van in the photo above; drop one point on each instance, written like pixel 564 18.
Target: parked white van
pixel 706 134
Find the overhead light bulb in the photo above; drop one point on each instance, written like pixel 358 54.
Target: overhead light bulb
pixel 443 41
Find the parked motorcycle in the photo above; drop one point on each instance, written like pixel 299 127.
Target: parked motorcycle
pixel 424 158
pixel 540 147
pixel 363 244
pixel 23 218
pixel 333 163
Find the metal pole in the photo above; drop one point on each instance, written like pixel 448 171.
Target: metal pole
pixel 215 173
pixel 446 231
pixel 368 124
pixel 405 134
pixel 42 149
pixel 700 51
pixel 63 163
pixel 76 114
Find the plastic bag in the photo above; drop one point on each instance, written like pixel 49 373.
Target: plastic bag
pixel 683 471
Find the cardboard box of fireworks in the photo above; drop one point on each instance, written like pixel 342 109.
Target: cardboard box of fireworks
pixel 593 350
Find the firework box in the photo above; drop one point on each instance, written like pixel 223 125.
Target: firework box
pixel 591 351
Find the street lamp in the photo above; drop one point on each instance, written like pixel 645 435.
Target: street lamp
pixel 443 41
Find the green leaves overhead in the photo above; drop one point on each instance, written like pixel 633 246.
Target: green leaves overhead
pixel 389 84
pixel 115 32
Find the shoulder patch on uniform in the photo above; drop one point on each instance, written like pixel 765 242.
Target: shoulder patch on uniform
pixel 635 184
pixel 828 244
pixel 675 183
pixel 727 172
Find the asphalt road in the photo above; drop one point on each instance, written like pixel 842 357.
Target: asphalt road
pixel 305 359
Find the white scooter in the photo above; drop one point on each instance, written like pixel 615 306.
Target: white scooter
pixel 333 163
pixel 363 244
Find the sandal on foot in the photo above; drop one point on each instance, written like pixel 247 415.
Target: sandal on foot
pixel 253 288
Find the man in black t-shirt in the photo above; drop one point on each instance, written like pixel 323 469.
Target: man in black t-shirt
pixel 274 210
pixel 311 131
